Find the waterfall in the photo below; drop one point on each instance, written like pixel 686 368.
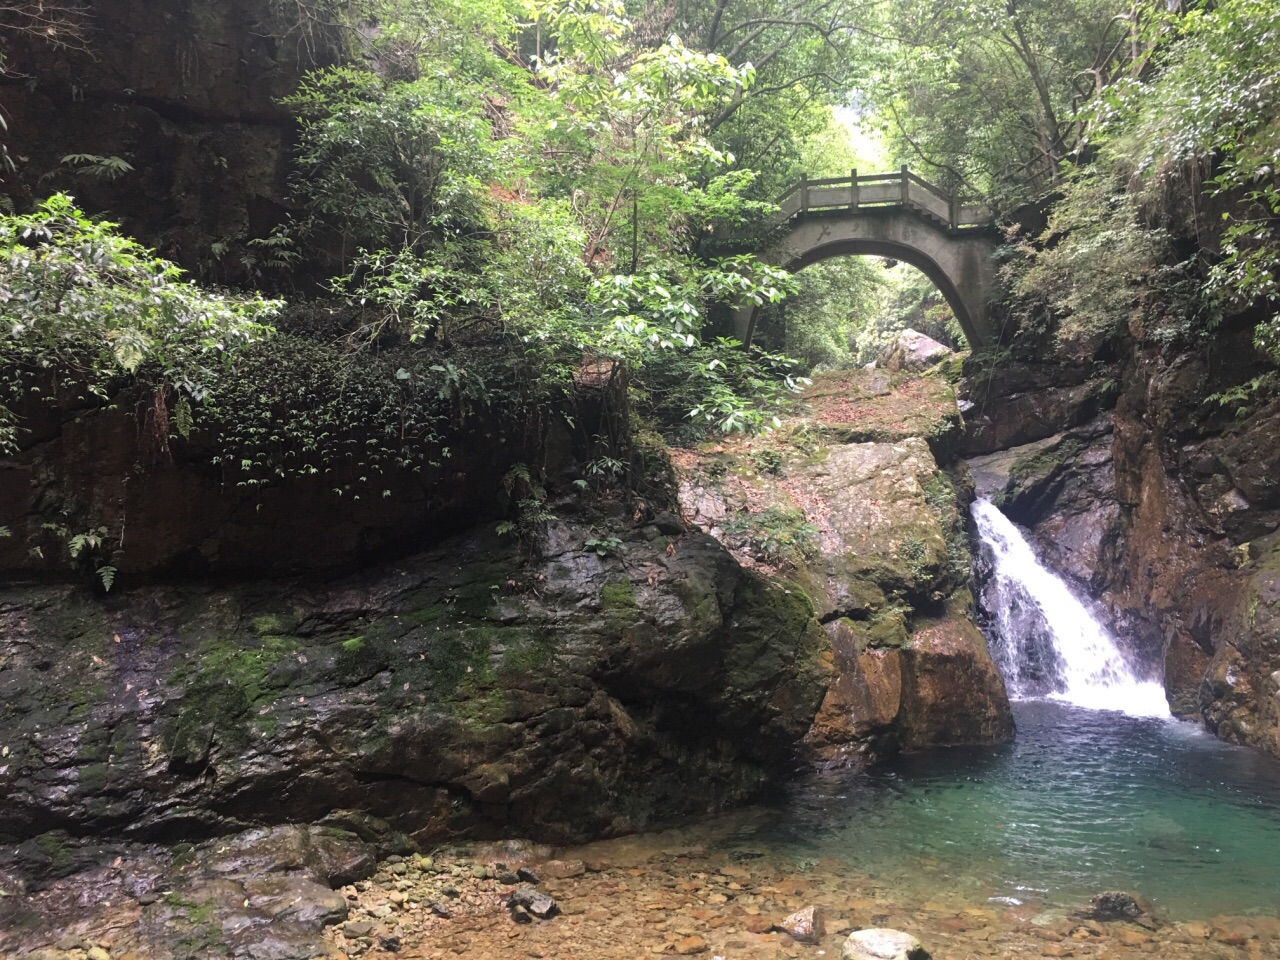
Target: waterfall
pixel 1045 641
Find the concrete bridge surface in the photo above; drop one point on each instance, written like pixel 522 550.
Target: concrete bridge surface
pixel 897 215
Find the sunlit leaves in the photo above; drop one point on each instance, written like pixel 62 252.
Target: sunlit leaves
pixel 77 295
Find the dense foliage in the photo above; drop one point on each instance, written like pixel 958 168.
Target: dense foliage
pixel 1132 244
pixel 83 306
pixel 498 204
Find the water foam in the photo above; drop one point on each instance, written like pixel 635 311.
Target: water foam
pixel 1048 644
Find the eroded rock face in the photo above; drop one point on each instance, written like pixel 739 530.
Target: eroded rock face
pixel 889 566
pixel 1240 694
pixel 457 691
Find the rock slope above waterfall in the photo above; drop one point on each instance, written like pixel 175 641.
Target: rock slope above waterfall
pixel 849 502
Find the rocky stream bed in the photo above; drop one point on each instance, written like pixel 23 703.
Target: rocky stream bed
pixel 293 894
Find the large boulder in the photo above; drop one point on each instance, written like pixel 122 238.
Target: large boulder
pixel 461 690
pixel 913 351
pixel 887 565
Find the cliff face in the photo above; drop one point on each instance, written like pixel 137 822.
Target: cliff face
pixel 188 94
pixel 1161 507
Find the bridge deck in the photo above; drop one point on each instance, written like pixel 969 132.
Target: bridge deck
pixel 902 190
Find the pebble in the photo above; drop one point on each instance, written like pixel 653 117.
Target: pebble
pixel 668 903
pixel 687 946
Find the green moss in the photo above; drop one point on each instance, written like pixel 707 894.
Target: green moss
pixel 210 711
pixel 479 706
pixel 474 599
pixel 457 656
pixel 248 667
pixel 353 645
pixel 888 628
pixel 54 846
pixel 618 595
pixel 183 853
pixel 198 913
pixel 526 654
pixel 272 623
pixel 93 777
pixel 228 677
pixel 423 617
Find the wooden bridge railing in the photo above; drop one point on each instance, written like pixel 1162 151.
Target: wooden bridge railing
pixel 902 189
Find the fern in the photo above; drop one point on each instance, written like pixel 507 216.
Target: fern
pixel 182 419
pixel 104 168
pixel 106 576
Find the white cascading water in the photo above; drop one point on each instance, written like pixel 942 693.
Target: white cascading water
pixel 1047 643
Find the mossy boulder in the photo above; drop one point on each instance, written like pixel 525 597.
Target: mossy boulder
pixel 462 690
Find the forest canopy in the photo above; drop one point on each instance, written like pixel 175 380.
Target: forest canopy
pixel 488 194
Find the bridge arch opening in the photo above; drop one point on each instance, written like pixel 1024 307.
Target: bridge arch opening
pixel 850 306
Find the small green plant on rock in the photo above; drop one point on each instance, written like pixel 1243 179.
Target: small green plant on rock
pixel 776 535
pixel 529 506
pixel 767 461
pixel 606 546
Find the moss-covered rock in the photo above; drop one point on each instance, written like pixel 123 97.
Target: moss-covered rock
pixel 465 689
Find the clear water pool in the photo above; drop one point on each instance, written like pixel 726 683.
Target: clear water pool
pixel 1081 802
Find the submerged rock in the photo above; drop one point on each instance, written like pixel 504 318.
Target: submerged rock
pixel 882 944
pixel 534 902
pixel 804 926
pixel 1117 905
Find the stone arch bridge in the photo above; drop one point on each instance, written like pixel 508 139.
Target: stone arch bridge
pixel 896 215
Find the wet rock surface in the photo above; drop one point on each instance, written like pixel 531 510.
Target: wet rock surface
pixel 460 690
pixel 1155 507
pixel 261 895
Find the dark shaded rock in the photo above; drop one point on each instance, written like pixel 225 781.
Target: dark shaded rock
pixel 535 902
pixel 1117 905
pixel 1017 404
pixel 458 690
pixel 527 876
pixel 520 915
